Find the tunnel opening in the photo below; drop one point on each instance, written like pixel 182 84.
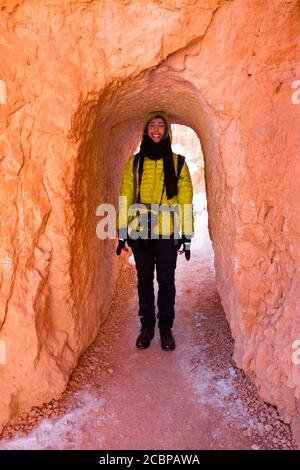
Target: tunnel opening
pixel 186 142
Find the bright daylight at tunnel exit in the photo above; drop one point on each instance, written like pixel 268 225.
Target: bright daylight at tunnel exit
pixel 150 231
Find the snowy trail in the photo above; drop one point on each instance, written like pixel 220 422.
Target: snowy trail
pixel 120 397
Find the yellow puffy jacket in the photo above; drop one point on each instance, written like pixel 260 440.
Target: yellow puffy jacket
pixel 151 192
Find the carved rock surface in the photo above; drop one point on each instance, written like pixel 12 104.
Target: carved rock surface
pixel 76 79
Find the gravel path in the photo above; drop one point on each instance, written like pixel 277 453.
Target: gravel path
pixel 120 397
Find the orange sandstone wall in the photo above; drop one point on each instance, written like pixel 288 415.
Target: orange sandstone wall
pixel 76 79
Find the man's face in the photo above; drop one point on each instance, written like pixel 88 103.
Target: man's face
pixel 156 129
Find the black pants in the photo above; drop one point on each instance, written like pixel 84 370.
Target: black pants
pixel 163 254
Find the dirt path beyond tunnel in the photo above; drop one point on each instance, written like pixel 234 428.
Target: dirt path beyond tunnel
pixel 120 397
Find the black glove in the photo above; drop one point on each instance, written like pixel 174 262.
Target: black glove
pixel 186 247
pixel 120 246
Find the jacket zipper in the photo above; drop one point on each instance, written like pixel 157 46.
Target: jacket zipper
pixel 154 180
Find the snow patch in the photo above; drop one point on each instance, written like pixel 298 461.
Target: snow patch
pixel 63 433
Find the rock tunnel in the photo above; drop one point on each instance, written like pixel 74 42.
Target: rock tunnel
pixel 77 79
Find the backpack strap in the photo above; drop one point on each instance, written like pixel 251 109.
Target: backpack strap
pixel 180 163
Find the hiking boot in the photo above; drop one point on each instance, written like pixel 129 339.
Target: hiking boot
pixel 144 338
pixel 167 339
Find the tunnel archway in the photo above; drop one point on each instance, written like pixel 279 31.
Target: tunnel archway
pixel 235 94
pixel 119 125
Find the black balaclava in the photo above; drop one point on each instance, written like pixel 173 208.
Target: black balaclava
pixel 163 150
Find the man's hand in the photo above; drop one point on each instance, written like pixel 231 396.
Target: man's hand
pixel 121 246
pixel 186 247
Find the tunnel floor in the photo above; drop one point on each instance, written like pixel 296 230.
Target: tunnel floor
pixel 120 397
